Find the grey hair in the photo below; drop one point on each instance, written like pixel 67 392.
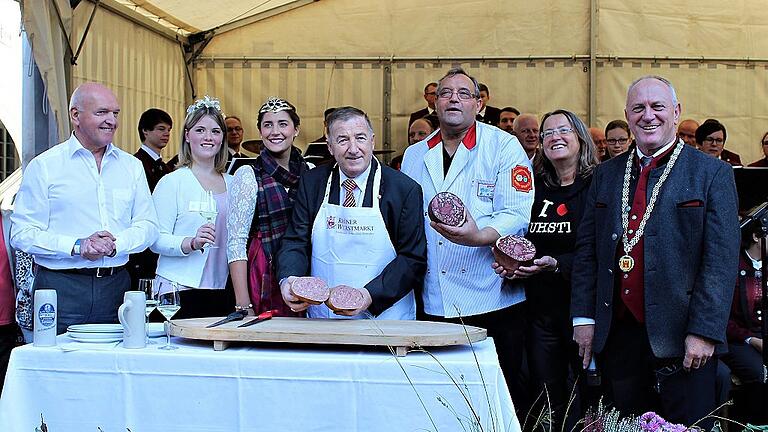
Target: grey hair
pixel 587 153
pixel 459 71
pixel 657 78
pixel 344 114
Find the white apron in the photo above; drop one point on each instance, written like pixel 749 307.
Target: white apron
pixel 351 246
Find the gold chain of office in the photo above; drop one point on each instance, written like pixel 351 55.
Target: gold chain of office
pixel 626 262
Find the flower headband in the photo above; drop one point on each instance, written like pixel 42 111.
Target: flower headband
pixel 205 102
pixel 274 105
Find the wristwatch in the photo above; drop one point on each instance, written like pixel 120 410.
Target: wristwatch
pixel 76 247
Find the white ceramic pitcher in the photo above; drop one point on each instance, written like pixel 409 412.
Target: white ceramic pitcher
pixel 131 316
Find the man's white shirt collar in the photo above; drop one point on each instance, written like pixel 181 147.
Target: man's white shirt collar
pixel 661 150
pixel 150 152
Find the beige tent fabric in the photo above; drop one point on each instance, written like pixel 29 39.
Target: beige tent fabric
pixel 143 69
pixel 243 87
pixel 48 47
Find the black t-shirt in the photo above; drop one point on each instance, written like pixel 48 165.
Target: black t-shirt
pixel 555 218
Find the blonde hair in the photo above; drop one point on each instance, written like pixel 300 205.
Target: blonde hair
pixel 194 116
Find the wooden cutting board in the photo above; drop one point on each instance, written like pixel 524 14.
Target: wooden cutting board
pixel 398 334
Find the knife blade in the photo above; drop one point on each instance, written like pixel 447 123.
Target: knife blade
pixel 261 318
pixel 234 316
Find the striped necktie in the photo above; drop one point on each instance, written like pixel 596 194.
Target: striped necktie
pixel 349 186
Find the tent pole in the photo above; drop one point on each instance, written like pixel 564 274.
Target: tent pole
pixel 85 33
pixel 592 115
pixel 387 108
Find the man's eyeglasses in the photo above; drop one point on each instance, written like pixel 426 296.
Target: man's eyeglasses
pixel 765 143
pixel 549 133
pixel 614 141
pixel 430 93
pixel 710 140
pixel 237 129
pixel 463 94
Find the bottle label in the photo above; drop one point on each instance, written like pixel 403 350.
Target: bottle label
pixel 46 315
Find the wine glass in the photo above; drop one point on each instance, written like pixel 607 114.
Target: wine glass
pixel 209 212
pixel 150 303
pixel 168 304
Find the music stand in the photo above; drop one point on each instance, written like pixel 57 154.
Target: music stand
pixel 751 187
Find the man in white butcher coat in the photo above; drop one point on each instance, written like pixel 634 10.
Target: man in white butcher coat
pixel 489 170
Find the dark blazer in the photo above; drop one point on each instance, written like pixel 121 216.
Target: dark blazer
pixel 760 163
pixel 417 115
pixel 492 116
pixel 153 169
pixel 143 265
pixel 691 248
pixel 731 158
pixel 401 207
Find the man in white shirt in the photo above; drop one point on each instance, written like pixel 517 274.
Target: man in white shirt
pixel 82 207
pixel 488 169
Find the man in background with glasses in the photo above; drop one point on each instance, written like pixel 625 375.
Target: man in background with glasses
pixel 488 169
pixel 430 94
pixel 657 255
pixel 234 137
pixel 526 128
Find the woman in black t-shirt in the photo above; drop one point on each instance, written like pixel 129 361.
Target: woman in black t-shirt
pixel 563 176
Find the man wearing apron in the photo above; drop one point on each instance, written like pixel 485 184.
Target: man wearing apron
pixel 356 223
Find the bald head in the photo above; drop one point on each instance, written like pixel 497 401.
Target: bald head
pixel 686 131
pixel 526 129
pixel 598 137
pixel 93 110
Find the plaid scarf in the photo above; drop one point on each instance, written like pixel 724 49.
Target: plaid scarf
pixel 274 205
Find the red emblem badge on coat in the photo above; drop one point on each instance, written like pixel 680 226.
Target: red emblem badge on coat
pixel 521 178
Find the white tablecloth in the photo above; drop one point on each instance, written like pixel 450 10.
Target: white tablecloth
pixel 253 388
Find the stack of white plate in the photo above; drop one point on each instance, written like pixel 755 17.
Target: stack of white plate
pixel 95 333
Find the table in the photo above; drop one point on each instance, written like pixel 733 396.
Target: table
pixel 253 388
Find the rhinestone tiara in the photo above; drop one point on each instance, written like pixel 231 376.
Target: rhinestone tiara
pixel 205 102
pixel 275 104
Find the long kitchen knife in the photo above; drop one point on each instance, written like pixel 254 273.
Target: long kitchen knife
pixel 234 316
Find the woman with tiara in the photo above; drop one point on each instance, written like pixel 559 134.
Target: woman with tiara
pixel 262 199
pixel 188 245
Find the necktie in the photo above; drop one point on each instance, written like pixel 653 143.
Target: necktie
pixel 349 186
pixel 644 162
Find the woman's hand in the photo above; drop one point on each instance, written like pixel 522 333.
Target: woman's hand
pixel 543 264
pixel 206 234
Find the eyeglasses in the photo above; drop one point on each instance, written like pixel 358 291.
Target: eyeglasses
pixel 765 143
pixel 235 129
pixel 463 94
pixel 710 140
pixel 549 133
pixel 614 141
pixel 430 93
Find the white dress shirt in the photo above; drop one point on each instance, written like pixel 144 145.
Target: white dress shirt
pixel 459 279
pixel 150 152
pixel 63 197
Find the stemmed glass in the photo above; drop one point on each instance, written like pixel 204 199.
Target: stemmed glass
pixel 150 303
pixel 168 304
pixel 207 209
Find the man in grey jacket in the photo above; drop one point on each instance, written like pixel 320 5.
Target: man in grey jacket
pixel 658 254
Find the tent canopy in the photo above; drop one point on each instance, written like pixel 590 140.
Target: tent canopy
pixel 535 56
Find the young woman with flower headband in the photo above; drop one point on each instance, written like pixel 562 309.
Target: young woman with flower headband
pixel 184 244
pixel 262 201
